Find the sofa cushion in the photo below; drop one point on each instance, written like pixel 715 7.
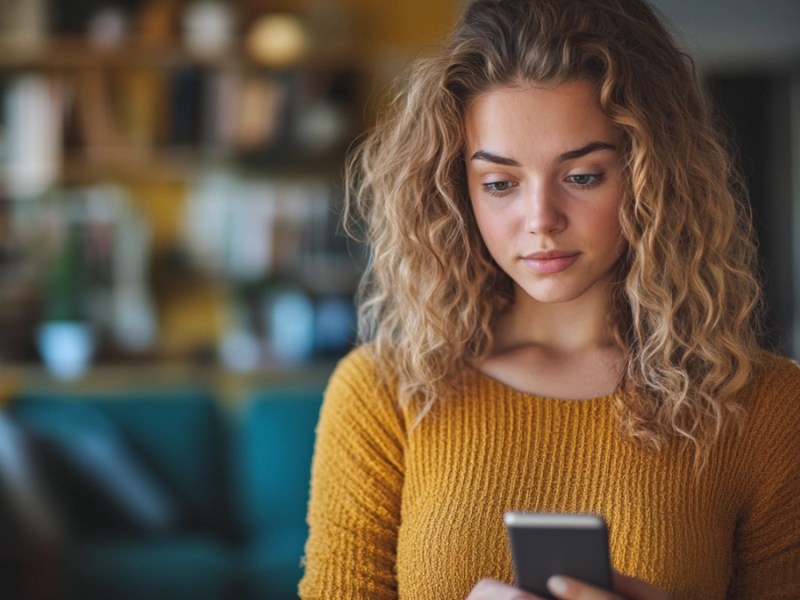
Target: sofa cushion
pixel 271 567
pixel 179 567
pixel 28 515
pixel 272 457
pixel 182 433
pixel 175 436
pixel 92 473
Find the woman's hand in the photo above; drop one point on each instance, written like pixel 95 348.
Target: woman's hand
pixel 625 588
pixel 489 589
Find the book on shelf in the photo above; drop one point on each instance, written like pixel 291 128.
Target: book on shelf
pixel 32 127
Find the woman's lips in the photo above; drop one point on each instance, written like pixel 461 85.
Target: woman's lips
pixel 546 263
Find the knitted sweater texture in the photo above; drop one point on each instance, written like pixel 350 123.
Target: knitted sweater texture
pixel 414 511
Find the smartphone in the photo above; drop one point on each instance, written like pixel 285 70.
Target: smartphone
pixel 545 544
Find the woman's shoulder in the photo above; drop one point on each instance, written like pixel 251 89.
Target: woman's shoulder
pixel 360 373
pixel 361 398
pixel 359 364
pixel 779 375
pixel 773 401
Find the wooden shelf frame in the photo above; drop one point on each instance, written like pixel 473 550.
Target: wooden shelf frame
pixel 73 53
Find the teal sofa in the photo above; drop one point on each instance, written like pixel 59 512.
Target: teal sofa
pixel 172 494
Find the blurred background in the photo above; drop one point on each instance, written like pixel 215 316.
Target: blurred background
pixel 170 171
pixel 170 175
pixel 175 286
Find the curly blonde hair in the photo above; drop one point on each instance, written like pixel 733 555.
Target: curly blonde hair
pixel 686 295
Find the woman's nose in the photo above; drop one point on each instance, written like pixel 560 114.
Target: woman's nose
pixel 543 214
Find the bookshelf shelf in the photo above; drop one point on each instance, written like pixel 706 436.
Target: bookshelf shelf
pixel 75 53
pixel 126 166
pixel 176 166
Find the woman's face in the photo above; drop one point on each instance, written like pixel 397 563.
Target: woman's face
pixel 546 184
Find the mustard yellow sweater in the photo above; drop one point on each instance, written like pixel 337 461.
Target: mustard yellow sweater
pixel 398 511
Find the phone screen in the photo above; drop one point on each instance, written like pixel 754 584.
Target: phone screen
pixel 546 544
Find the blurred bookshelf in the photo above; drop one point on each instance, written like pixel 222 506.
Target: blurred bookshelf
pixel 173 198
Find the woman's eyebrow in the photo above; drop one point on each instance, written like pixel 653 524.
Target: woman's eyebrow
pixel 494 158
pixel 584 150
pixel 568 155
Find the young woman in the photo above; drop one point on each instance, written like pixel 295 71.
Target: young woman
pixel 560 315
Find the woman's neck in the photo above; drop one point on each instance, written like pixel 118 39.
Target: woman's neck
pixel 561 350
pixel 565 327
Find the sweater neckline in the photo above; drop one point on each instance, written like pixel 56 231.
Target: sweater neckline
pixel 509 389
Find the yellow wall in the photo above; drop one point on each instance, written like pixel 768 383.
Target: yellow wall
pixel 408 24
pixel 393 34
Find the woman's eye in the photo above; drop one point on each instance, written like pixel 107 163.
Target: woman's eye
pixel 498 188
pixel 585 179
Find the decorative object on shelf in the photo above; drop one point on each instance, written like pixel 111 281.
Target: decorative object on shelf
pixel 66 347
pixel 290 325
pixel 65 339
pixel 240 351
pixel 249 229
pixel 122 239
pixel 321 127
pixel 65 275
pixel 33 128
pixel 334 325
pixel 258 121
pixel 209 27
pixel 278 39
pixel 95 255
pixel 108 27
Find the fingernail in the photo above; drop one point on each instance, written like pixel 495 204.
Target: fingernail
pixel 557 585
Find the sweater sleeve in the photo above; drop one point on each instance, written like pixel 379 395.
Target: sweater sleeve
pixel 767 551
pixel 356 487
